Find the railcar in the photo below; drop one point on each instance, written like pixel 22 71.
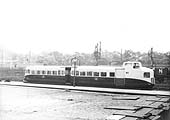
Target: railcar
pixel 129 75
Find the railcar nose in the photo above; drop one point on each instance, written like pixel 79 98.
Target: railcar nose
pixel 153 80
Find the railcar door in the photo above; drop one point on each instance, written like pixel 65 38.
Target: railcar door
pixel 68 75
pixel 119 77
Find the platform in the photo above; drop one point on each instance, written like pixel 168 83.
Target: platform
pixel 93 89
pixel 123 104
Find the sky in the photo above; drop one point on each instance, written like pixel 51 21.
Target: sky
pixel 70 26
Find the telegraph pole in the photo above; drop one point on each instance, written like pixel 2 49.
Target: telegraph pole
pixel 74 61
pixel 2 58
pixel 121 56
pixel 151 57
pixel 29 58
pixel 97 52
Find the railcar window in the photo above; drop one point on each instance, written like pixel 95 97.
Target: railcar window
pixel 112 74
pixel 43 72
pixel 77 72
pixel 136 65
pixel 146 75
pixel 48 72
pixel 96 73
pixel 103 74
pixel 32 72
pixel 27 71
pixel 62 72
pixel 82 73
pixel 89 73
pixel 38 72
pixel 54 72
pixel 72 72
pixel 59 72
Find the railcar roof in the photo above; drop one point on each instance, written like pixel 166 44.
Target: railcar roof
pixel 146 69
pixel 42 67
pixel 96 67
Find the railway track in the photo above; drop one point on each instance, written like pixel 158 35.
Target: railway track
pixel 162 86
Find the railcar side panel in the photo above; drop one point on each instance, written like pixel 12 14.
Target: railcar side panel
pixel 131 75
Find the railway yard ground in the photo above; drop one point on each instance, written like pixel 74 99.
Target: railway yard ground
pixel 26 101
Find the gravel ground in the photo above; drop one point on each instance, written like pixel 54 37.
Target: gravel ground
pixel 28 103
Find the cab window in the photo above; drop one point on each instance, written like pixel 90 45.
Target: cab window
pixel 146 75
pixel 136 65
pixel 27 71
pixel 43 72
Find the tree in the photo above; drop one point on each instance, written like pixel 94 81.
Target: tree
pixel 168 57
pixel 129 55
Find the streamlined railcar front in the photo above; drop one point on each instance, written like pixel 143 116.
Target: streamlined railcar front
pixel 138 76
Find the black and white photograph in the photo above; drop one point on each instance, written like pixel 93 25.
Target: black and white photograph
pixel 84 59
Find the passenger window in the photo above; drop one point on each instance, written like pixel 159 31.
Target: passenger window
pixel 146 75
pixel 77 73
pixel 62 72
pixel 43 72
pixel 54 72
pixel 112 74
pixel 96 73
pixel 48 72
pixel 103 74
pixel 59 72
pixel 89 73
pixel 32 72
pixel 82 73
pixel 72 72
pixel 38 72
pixel 27 71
